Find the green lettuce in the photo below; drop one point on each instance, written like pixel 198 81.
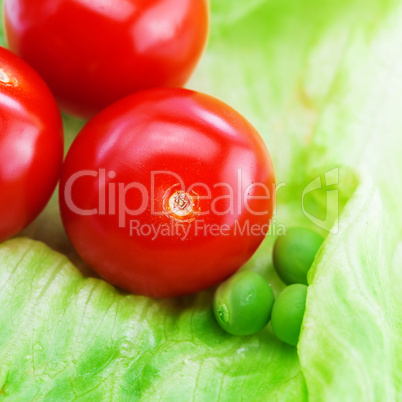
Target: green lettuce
pixel 322 82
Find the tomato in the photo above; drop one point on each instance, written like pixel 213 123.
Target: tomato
pixel 93 52
pixel 31 144
pixel 167 192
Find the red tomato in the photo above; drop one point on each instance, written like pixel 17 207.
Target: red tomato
pixel 167 192
pixel 31 144
pixel 94 52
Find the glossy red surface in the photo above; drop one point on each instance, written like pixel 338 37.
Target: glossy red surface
pixel 93 52
pixel 146 179
pixel 31 144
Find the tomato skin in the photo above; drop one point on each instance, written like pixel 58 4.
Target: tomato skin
pixel 194 136
pixel 92 53
pixel 31 144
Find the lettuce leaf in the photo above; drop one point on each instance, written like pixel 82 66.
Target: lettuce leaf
pixel 350 348
pixel 64 337
pixel 321 81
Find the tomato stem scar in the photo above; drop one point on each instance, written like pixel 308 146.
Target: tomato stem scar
pixel 180 205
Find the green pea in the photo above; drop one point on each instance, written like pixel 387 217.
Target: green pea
pixel 243 303
pixel 287 313
pixel 294 253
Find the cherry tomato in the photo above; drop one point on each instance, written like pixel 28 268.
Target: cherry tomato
pixel 167 192
pixel 94 52
pixel 31 144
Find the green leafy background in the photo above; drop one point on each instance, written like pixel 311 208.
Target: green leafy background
pixel 322 82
